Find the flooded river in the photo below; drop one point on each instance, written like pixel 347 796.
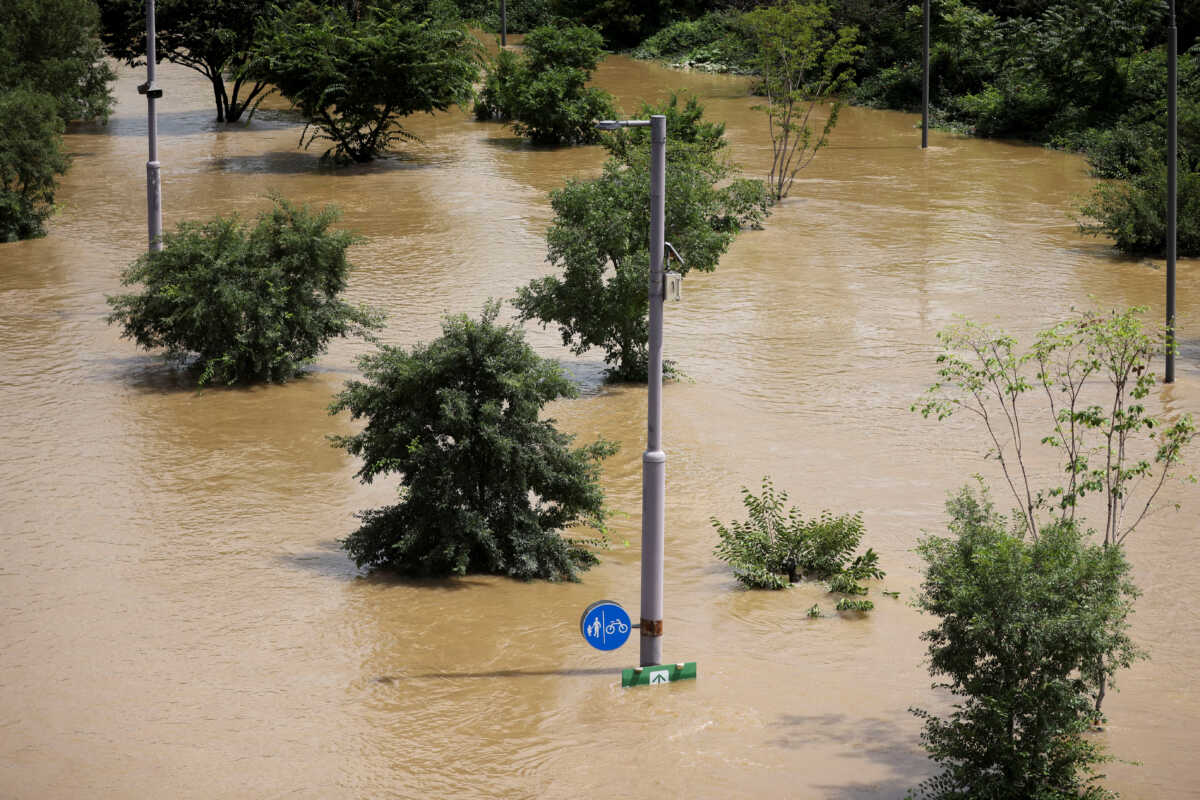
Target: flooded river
pixel 178 620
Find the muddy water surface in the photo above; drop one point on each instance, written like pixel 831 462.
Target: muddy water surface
pixel 179 622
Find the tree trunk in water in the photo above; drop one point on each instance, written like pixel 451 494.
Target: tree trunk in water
pixel 218 85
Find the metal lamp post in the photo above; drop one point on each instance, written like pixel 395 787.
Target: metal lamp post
pixel 504 23
pixel 925 79
pixel 654 460
pixel 1172 164
pixel 152 92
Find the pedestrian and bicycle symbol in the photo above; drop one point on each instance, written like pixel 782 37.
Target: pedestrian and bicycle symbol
pixel 605 625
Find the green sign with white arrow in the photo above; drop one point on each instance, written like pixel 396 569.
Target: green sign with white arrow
pixel 654 676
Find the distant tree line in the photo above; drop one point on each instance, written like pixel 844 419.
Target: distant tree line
pixel 1087 75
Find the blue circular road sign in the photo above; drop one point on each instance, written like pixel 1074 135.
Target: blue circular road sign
pixel 605 625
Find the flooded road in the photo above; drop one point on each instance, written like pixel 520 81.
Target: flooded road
pixel 178 620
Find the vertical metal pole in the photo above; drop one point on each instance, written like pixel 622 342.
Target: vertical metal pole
pixel 925 80
pixel 153 188
pixel 654 460
pixel 1172 164
pixel 504 23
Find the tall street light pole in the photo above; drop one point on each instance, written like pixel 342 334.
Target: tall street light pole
pixel 504 23
pixel 925 79
pixel 1172 165
pixel 654 460
pixel 152 92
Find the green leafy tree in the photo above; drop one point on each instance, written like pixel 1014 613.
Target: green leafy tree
pixel 53 47
pixel 240 303
pixel 600 235
pixel 213 37
pixel 624 23
pixel 805 61
pixel 1022 622
pixel 486 485
pixel 543 90
pixel 355 79
pixel 775 547
pixel 30 158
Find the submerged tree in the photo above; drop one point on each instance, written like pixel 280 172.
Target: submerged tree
pixel 1022 623
pixel 53 47
pixel 600 235
pixel 485 485
pixel 543 90
pixel 213 37
pixel 30 158
pixel 805 62
pixel 354 79
pixel 244 304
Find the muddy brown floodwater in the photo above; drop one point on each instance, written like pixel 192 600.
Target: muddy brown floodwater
pixel 179 622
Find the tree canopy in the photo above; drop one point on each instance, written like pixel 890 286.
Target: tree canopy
pixel 213 37
pixel 599 239
pixel 30 158
pixel 486 485
pixel 53 47
pixel 355 79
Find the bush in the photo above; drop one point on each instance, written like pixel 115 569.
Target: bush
pixel 1134 213
pixel 1023 626
pixel 30 157
pixel 774 548
pixel 543 90
pixel 244 304
pixel 714 40
pixel 486 485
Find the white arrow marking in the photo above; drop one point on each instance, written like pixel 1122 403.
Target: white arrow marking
pixel 660 676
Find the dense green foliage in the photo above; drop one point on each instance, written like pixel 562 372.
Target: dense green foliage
pixel 1080 74
pixel 600 235
pixel 775 548
pixel 244 304
pixel 624 23
pixel 1023 624
pixel 543 89
pixel 53 47
pixel 354 79
pixel 213 37
pixel 804 60
pixel 486 485
pixel 524 15
pixel 30 158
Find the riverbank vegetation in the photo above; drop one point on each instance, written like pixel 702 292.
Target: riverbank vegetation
pixel 486 485
pixel 600 234
pixel 236 303
pixel 1086 76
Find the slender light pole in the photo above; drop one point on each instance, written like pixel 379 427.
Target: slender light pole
pixel 1172 164
pixel 152 92
pixel 654 460
pixel 925 79
pixel 504 23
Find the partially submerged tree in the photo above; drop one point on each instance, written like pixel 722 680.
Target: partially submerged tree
pixel 1022 623
pixel 1094 373
pixel 486 486
pixel 213 37
pixel 600 235
pixel 806 63
pixel 30 158
pixel 53 47
pixel 543 90
pixel 355 79
pixel 244 304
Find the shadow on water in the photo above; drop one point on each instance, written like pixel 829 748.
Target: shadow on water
pixel 875 740
pixel 187 123
pixel 298 162
pixel 329 560
pixel 504 673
